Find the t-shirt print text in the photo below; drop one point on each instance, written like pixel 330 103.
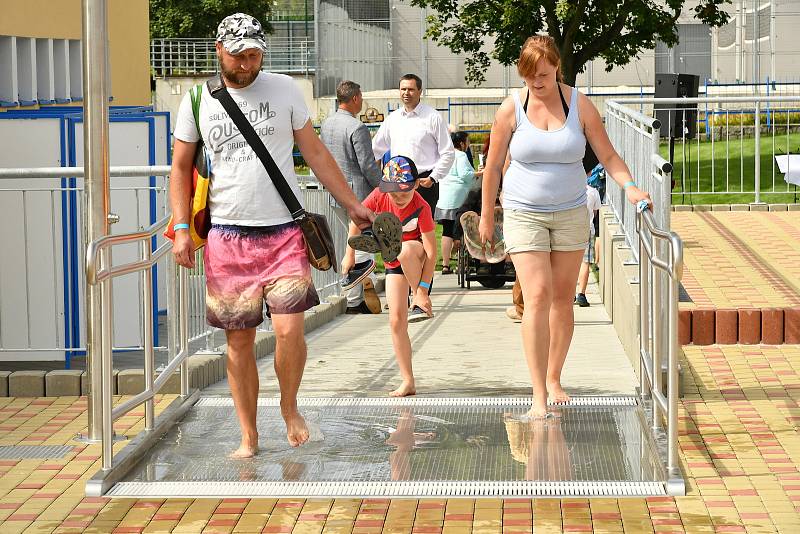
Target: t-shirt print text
pixel 224 136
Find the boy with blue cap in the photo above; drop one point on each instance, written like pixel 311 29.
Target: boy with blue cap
pixel 400 210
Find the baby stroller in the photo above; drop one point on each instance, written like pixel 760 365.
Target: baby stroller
pixel 470 269
pixel 489 275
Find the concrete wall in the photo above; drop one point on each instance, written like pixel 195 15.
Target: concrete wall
pixel 129 38
pixel 620 296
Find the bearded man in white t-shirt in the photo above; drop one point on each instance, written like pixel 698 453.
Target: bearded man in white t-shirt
pixel 255 253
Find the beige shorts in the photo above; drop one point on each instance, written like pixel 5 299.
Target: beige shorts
pixel 562 231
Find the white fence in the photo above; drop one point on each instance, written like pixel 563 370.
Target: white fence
pixel 39 198
pixel 182 57
pixel 727 147
pixel 636 138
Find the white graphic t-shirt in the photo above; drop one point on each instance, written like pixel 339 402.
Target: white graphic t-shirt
pixel 241 191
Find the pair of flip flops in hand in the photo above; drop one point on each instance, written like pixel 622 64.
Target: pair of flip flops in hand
pixel 385 236
pixel 472 238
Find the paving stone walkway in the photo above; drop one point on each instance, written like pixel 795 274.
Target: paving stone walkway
pixel 740 259
pixel 739 441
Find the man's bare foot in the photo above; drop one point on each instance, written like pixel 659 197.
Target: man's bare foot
pixel 404 390
pixel 247 449
pixel 296 429
pixel 557 393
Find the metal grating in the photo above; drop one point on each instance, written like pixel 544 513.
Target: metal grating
pixel 408 447
pixel 621 400
pixel 387 489
pixel 25 452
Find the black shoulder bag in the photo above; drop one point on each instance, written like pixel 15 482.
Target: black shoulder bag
pixel 317 233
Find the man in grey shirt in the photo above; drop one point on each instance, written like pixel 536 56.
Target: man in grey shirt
pixel 351 146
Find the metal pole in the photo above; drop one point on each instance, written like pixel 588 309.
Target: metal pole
pixel 672 381
pixel 106 372
pixel 644 310
pixel 772 73
pixel 172 310
pixel 147 341
pixel 318 46
pixel 758 152
pixel 183 318
pixel 423 46
pixel 657 304
pixel 738 42
pixel 96 187
pixel 756 48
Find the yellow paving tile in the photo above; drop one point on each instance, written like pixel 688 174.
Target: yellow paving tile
pixel 253 522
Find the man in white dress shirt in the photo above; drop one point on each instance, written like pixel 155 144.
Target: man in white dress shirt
pixel 419 132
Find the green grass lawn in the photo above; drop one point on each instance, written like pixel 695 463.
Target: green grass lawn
pixel 734 159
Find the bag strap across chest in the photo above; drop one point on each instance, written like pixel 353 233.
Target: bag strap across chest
pixel 218 90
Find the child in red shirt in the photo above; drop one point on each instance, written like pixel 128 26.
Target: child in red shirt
pixel 414 266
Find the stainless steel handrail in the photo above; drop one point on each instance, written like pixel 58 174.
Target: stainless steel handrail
pixel 95 247
pixel 707 100
pixel 78 172
pixel 99 271
pixel 660 250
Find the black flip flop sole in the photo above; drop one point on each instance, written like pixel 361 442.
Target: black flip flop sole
pixel 389 235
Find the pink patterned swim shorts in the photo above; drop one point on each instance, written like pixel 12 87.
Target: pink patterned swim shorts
pixel 247 266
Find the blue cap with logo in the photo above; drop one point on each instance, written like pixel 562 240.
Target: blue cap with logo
pixel 399 174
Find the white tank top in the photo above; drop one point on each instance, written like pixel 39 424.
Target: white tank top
pixel 546 172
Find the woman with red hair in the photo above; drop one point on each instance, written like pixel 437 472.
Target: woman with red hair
pixel 545 127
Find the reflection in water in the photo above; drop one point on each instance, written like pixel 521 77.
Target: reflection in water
pixel 404 439
pixel 397 443
pixel 292 470
pixel 541 446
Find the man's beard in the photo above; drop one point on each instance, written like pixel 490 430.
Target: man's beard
pixel 240 78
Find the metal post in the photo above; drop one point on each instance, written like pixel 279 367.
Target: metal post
pixel 318 46
pixel 106 372
pixel 672 381
pixel 658 336
pixel 172 309
pixel 738 42
pixel 756 48
pixel 147 341
pixel 183 318
pixel 758 152
pixel 772 73
pixel 96 188
pixel 423 46
pixel 644 310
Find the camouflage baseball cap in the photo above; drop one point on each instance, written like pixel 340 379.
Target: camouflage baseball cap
pixel 239 31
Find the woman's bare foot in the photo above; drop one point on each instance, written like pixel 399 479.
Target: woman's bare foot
pixel 296 429
pixel 557 393
pixel 405 389
pixel 247 449
pixel 536 413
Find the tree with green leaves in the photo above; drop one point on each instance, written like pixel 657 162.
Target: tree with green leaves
pixel 614 30
pixel 200 18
